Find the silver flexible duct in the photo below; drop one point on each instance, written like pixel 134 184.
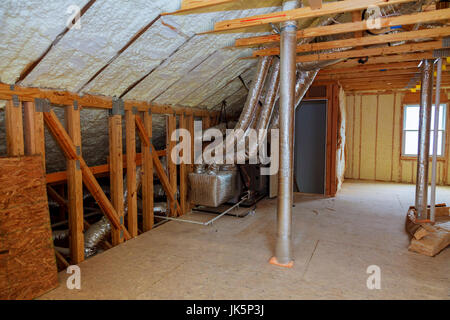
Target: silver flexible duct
pixel 262 120
pixel 426 97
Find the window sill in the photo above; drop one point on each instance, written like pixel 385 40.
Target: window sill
pixel 440 158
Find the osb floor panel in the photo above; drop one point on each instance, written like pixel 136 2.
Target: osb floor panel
pixel 335 240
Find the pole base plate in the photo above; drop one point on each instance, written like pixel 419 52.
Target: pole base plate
pixel 275 262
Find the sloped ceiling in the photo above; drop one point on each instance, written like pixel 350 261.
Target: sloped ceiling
pixel 168 63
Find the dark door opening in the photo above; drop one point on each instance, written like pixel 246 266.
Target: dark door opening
pixel 310 147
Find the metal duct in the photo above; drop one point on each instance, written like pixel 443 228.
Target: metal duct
pixel 435 140
pixel 254 93
pixel 60 234
pixel 262 121
pixel 426 96
pixel 288 44
pixel 94 235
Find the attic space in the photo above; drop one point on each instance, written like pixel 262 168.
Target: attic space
pixel 224 150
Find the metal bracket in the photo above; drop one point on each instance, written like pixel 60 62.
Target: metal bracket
pixel 134 110
pixel 149 112
pixel 16 101
pixel 441 53
pixel 78 164
pixel 446 42
pixel 42 105
pixel 121 219
pixel 11 87
pixel 121 234
pixel 117 107
pixel 78 150
pixel 75 105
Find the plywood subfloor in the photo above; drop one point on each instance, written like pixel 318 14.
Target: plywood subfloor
pixel 335 240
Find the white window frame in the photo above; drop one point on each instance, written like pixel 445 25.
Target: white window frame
pixel 444 131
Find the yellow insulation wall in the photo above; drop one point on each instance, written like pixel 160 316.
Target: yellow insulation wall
pixel 374 139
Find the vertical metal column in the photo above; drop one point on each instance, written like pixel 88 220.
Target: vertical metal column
pixel 283 250
pixel 435 140
pixel 426 97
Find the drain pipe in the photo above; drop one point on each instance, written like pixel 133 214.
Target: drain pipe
pixel 426 96
pixel 288 43
pixel 435 140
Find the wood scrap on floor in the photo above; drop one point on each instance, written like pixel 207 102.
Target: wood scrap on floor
pixel 429 238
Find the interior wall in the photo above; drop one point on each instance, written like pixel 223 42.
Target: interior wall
pixel 374 139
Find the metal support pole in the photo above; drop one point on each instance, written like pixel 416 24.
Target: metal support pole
pixel 435 140
pixel 283 250
pixel 426 97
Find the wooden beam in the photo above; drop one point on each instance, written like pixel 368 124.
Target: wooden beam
pixel 422 46
pixel 75 187
pixel 159 169
pixel 116 174
pixel 366 74
pixel 65 98
pixel 143 134
pixel 183 171
pixel 61 176
pixel 302 13
pixel 384 59
pixel 147 178
pixel 14 129
pixel 130 137
pixel 356 42
pixel 68 147
pixel 370 67
pixel 421 17
pixel 29 128
pixel 190 5
pixel 171 126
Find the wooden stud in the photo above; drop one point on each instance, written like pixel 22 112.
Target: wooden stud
pixel 130 137
pixel 159 169
pixel 116 173
pixel 14 129
pixel 171 166
pixel 29 126
pixel 302 13
pixel 68 148
pixel 75 187
pixel 421 17
pixel 183 172
pixel 147 178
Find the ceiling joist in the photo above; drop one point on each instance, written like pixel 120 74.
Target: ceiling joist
pixel 422 17
pixel 415 47
pixel 370 40
pixel 302 13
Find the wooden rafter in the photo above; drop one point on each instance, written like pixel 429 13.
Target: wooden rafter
pixel 406 48
pixel 354 42
pixel 370 67
pixel 302 13
pixel 190 5
pixel 384 59
pixel 421 17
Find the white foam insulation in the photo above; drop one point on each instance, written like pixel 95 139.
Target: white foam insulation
pixel 27 28
pixel 105 28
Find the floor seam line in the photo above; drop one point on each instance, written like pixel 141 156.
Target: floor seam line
pixel 309 260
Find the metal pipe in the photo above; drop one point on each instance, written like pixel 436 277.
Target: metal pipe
pixel 426 97
pixel 288 44
pixel 435 140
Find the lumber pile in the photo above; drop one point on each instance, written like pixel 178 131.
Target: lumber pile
pixel 426 237
pixel 27 258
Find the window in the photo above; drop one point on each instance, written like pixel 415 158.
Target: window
pixel 411 130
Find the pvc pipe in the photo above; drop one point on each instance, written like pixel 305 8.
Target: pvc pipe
pixel 435 141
